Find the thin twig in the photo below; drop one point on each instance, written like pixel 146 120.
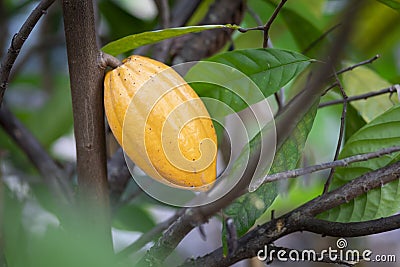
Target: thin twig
pixel 350 68
pixel 390 90
pixel 365 62
pixel 328 165
pixel 267 26
pixel 17 42
pixel 341 133
pixel 278 95
pixel 330 87
pixel 270 21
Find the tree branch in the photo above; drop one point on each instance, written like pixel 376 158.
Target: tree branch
pixel 201 45
pixel 182 11
pixel 298 219
pixel 17 43
pixel 161 50
pixel 351 229
pixel 180 14
pixel 328 165
pixel 285 125
pixel 391 89
pixel 46 43
pixel 86 76
pixel 164 13
pixel 350 68
pixel 53 175
pixel 365 62
pixel 267 26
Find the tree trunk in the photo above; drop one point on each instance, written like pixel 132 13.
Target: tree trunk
pixel 86 77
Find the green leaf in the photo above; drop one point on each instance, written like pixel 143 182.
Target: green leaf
pixel 249 207
pixel 395 4
pixel 133 218
pixel 135 40
pixel 245 77
pixel 382 132
pixel 353 123
pixel 364 80
pixel 304 32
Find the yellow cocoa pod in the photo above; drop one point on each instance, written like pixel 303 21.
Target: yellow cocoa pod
pixel 161 123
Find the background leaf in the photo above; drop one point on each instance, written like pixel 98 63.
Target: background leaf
pixel 353 122
pixel 120 22
pixel 382 132
pixel 133 218
pixel 249 207
pixel 304 32
pixel 363 80
pixel 268 69
pixel 135 40
pixel 391 3
pixel 376 21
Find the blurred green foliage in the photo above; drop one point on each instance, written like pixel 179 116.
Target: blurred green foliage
pixel 46 111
